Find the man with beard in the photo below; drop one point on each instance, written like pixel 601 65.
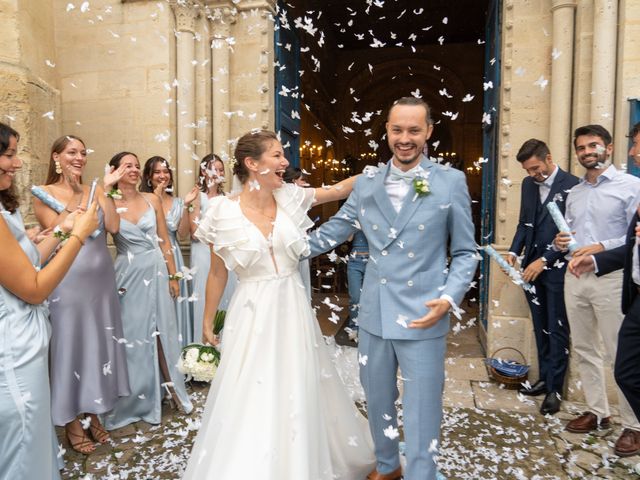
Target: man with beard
pixel 599 210
pixel 413 212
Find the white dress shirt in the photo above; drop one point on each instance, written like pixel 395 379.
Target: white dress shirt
pixel 601 212
pixel 397 189
pixel 545 187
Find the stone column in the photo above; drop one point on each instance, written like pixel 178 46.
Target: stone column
pixel 221 20
pixel 603 79
pixel 561 81
pixel 186 14
pixel 203 88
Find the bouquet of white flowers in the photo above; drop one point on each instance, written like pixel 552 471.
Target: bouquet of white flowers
pixel 199 362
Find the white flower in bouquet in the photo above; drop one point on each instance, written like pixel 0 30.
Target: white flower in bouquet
pixel 199 362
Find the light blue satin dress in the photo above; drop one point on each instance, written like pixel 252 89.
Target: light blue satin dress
pixel 28 447
pixel 201 258
pixel 148 313
pixel 184 311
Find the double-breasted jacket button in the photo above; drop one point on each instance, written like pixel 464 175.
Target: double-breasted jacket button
pixel 421 227
pixel 410 283
pixel 383 281
pixel 411 254
pixel 384 253
pixel 374 227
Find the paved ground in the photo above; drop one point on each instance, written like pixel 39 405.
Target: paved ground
pixel 488 433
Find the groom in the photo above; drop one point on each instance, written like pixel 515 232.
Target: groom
pixel 414 213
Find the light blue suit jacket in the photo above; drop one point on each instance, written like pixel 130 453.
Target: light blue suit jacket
pixel 408 250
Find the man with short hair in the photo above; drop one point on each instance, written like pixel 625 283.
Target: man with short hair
pixel 627 369
pixel 599 210
pixel 413 213
pixel 544 268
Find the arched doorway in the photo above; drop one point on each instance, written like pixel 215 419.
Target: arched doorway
pixel 356 58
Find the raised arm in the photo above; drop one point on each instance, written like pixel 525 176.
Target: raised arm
pixel 165 243
pixel 49 242
pixel 184 229
pixel 18 275
pixel 339 191
pixel 194 214
pixel 338 229
pixel 49 218
pixel 216 282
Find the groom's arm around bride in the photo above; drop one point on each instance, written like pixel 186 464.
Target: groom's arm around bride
pixel 412 212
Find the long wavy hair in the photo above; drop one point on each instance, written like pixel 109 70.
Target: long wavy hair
pixel 147 173
pixel 8 197
pixel 57 148
pixel 116 159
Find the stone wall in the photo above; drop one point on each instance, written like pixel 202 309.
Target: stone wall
pixel 29 98
pixel 628 73
pixel 115 65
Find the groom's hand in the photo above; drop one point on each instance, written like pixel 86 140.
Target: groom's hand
pixel 437 308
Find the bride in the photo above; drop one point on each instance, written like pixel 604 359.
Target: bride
pixel 277 409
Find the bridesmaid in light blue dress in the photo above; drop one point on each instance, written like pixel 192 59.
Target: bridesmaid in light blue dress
pixel 210 184
pixel 28 446
pixel 157 177
pixel 145 276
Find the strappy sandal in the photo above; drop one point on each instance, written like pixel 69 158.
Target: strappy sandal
pixel 98 432
pixel 172 399
pixel 84 445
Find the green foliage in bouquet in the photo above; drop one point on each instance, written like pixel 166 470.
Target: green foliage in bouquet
pixel 209 354
pixel 199 362
pixel 218 322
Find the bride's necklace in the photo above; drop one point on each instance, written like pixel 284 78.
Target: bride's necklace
pixel 257 210
pixel 260 212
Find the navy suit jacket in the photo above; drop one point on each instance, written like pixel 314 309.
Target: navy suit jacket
pixel 532 231
pixel 621 257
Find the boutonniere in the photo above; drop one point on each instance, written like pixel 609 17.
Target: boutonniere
pixel 421 186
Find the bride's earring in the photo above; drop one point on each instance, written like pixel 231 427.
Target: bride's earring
pixel 58 167
pixel 149 183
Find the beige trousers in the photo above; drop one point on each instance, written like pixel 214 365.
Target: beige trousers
pixel 594 310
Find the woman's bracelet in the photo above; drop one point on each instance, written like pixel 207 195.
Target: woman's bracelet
pixel 191 208
pixel 64 236
pixel 76 236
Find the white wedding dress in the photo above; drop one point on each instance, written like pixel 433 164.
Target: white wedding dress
pixel 277 409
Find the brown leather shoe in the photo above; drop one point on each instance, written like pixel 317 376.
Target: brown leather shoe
pixel 628 444
pixel 395 475
pixel 587 422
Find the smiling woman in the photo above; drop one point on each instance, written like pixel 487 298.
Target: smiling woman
pixel 145 277
pixel 83 325
pixel 210 185
pixel 25 410
pixel 271 334
pixel 157 178
pixel 9 164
